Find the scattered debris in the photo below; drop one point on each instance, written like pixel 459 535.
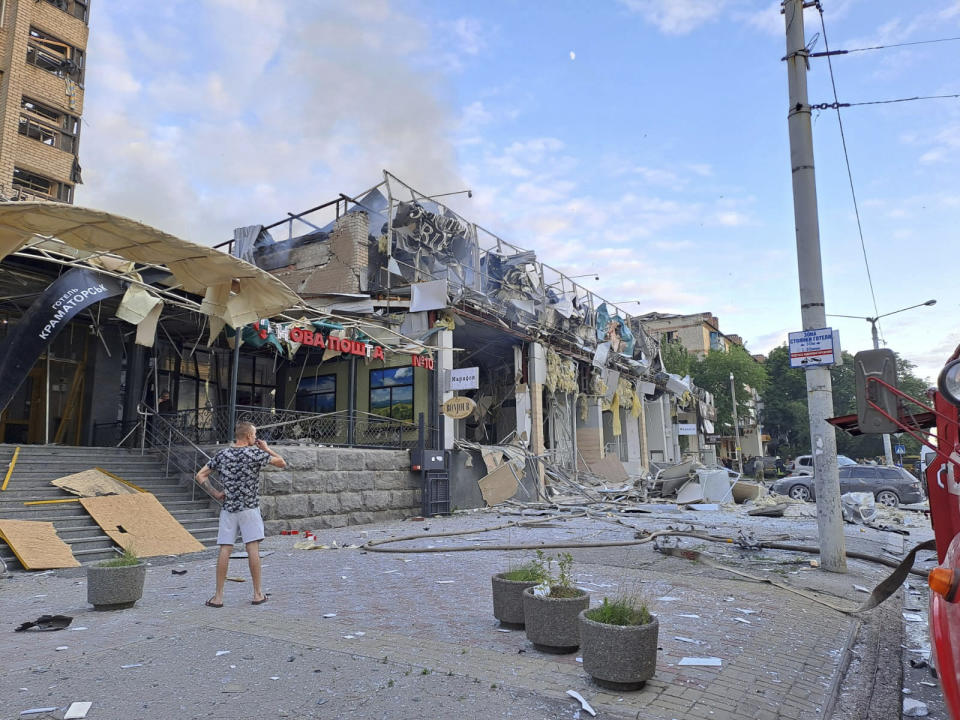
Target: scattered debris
pixel 222 652
pixel 233 688
pixel 769 510
pixel 742 620
pixel 918 663
pixel 445 582
pixel 63 647
pixel 179 572
pixel 912 617
pixel 860 588
pixel 244 554
pixel 503 630
pixel 235 579
pixel 747 611
pixel 688 615
pixel 132 665
pixel 330 615
pixel 814 563
pixel 37 711
pixel 914 708
pixel 77 710
pixel 687 640
pixel 700 662
pixel 47 623
pixel 928 683
pixel 583 703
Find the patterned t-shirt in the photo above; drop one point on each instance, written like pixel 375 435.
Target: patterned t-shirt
pixel 239 472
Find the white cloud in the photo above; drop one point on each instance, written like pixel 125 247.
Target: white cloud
pixel 677 17
pixel 317 101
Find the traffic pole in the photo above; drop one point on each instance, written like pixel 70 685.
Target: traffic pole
pixel 812 309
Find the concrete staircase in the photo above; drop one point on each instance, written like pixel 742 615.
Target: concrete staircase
pixel 37 465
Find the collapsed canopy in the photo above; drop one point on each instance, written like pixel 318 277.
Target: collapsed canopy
pixel 246 293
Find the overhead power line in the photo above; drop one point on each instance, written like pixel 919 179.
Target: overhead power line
pixel 846 157
pixel 829 52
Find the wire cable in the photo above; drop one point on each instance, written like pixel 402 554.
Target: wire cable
pixel 846 157
pixel 884 47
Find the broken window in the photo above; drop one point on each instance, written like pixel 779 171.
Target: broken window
pixel 39 185
pixel 391 393
pixel 53 55
pixel 317 394
pixel 80 9
pixel 49 125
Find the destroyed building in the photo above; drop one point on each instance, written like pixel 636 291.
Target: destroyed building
pixel 699 334
pixel 549 367
pixel 42 57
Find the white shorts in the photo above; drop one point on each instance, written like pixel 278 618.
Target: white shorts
pixel 249 522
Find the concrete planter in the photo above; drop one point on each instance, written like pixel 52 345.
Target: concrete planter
pixel 115 588
pixel 508 600
pixel 619 657
pixel 551 622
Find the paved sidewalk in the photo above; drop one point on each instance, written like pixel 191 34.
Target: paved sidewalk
pixel 405 642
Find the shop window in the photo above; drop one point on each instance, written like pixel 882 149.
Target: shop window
pixel 317 394
pixel 391 393
pixel 256 381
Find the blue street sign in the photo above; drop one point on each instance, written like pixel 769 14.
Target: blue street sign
pixel 899 450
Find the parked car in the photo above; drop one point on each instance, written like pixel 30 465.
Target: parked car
pixel 891 486
pixel 803 464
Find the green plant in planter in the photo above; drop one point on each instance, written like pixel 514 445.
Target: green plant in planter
pixel 624 610
pixel 129 557
pixel 530 571
pixel 561 584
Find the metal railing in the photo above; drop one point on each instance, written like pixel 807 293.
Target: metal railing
pixel 181 456
pixel 207 426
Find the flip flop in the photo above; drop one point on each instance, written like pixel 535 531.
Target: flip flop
pixel 259 602
pixel 210 603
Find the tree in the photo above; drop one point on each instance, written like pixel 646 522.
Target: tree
pixel 712 373
pixel 788 422
pixel 676 358
pixel 785 415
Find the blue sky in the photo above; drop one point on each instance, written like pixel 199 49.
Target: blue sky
pixel 642 140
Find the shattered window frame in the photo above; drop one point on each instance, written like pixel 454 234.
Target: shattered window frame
pixel 379 383
pixel 52 55
pixel 48 125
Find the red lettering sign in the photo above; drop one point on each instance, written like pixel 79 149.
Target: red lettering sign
pixel 378 353
pixel 296 335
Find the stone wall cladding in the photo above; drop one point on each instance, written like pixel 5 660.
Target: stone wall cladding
pixel 333 487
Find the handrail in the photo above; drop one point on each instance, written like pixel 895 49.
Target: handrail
pixel 148 416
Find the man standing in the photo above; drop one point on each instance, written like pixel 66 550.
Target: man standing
pixel 239 467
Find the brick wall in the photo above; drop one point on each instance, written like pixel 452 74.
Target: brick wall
pixel 21 79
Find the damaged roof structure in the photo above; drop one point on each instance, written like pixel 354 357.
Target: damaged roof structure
pixel 551 368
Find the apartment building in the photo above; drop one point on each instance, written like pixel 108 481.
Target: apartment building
pixel 698 333
pixel 42 57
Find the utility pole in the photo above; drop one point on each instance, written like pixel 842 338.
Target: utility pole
pixel 812 309
pixel 736 425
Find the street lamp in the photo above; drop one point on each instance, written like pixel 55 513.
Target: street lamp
pixel 468 193
pixel 887 449
pixel 736 425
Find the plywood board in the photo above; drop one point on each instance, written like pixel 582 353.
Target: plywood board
pixel 610 468
pixel 92 483
pixel 141 523
pixel 498 486
pixel 492 459
pixel 37 545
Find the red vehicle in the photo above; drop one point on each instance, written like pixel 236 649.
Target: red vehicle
pixel 884 408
